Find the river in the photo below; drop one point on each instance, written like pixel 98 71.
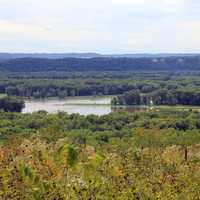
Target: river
pixel 83 105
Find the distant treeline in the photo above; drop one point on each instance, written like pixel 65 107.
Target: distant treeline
pixel 7 56
pixel 102 64
pixel 159 97
pixel 63 88
pixel 45 84
pixel 86 84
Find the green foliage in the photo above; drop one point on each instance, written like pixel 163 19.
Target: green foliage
pixel 152 154
pixel 159 97
pixel 161 87
pixel 11 104
pixel 116 156
pixel 72 156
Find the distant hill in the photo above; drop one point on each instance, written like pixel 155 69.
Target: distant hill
pixel 172 63
pixel 8 56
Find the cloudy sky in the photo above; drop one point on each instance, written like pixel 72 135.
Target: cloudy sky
pixel 104 26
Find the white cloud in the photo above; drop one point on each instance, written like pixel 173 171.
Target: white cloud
pixel 99 25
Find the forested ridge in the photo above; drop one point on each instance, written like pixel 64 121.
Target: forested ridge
pixel 102 64
pixel 7 56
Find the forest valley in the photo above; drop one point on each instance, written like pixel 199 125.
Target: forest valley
pixel 145 155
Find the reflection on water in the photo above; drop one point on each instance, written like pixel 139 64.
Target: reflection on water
pixel 129 108
pixel 81 105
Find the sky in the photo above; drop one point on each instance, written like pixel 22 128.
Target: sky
pixel 102 26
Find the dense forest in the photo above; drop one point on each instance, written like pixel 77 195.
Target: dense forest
pixel 50 84
pixel 159 97
pixel 120 156
pixel 130 88
pixel 102 64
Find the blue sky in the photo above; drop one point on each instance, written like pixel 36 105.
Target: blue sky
pixel 104 26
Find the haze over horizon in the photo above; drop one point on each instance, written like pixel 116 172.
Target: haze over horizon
pixel 106 26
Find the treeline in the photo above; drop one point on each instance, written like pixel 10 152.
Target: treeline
pixel 8 56
pixel 42 85
pixel 102 64
pixel 159 97
pixel 30 85
pixel 51 88
pixel 175 86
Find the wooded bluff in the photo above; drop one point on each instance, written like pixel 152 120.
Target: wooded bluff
pixel 184 63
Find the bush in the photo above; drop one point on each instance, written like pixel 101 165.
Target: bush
pixel 11 104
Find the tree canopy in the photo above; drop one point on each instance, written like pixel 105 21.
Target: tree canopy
pixel 11 104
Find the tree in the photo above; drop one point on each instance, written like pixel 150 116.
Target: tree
pixel 11 104
pixel 72 156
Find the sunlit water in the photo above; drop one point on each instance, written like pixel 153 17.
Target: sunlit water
pixel 81 105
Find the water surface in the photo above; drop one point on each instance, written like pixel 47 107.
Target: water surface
pixel 81 105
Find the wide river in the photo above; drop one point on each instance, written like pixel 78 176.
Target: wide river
pixel 81 105
pixel 100 105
